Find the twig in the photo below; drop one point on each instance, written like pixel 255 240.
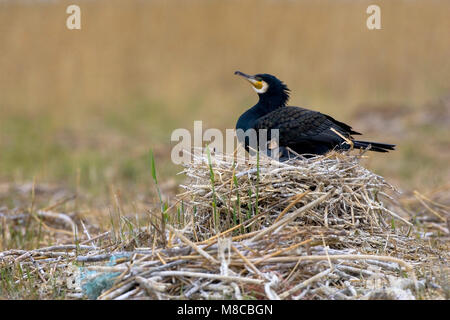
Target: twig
pixel 193 245
pixel 291 216
pixel 305 283
pixel 208 276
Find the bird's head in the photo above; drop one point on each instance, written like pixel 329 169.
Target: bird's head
pixel 269 88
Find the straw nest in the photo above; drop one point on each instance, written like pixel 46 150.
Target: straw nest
pixel 318 228
pixel 334 192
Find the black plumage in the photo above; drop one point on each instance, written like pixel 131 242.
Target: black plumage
pixel 304 131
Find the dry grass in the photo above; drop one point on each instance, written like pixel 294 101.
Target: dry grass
pixel 348 194
pixel 320 228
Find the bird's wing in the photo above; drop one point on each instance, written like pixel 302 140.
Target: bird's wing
pixel 297 124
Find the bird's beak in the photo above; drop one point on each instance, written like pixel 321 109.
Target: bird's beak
pixel 257 84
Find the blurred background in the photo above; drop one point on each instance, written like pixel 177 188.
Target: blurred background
pixel 81 109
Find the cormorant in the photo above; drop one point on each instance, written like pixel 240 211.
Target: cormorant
pixel 304 131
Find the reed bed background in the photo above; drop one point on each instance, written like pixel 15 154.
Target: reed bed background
pixel 98 99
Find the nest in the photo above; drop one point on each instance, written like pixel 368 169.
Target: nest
pixel 334 192
pixel 317 228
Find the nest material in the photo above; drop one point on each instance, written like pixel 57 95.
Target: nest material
pixel 345 194
pixel 308 229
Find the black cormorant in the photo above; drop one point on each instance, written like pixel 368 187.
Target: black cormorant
pixel 304 131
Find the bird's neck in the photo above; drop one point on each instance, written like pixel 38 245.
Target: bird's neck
pixel 265 105
pixel 270 103
pixel 248 118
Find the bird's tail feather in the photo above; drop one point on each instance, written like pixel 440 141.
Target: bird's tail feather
pixel 374 146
